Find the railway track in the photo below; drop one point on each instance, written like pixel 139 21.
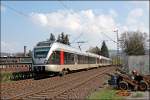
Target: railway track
pixel 7 86
pixel 55 87
pixel 63 95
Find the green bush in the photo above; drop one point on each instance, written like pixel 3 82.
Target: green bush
pixel 104 95
pixel 138 94
pixel 9 76
pixel 5 76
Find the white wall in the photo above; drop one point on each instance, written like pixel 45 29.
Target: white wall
pixel 140 63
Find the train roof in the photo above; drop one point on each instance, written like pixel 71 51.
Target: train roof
pixel 44 43
pixel 59 46
pixel 67 48
pixel 102 57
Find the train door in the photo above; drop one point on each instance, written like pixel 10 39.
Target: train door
pixel 76 59
pixel 97 62
pixel 55 58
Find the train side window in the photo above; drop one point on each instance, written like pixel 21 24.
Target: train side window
pixel 69 58
pixel 92 60
pixel 82 59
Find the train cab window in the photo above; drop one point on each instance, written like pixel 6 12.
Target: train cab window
pixel 41 52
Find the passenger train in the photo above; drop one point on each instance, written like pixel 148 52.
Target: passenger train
pixel 61 58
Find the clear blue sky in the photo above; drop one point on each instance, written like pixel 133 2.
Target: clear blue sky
pixel 70 17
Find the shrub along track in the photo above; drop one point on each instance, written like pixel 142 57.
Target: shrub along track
pixel 56 87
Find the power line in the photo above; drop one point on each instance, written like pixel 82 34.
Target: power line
pixel 14 10
pixel 77 38
pixel 109 37
pixel 70 11
pixel 65 6
pixel 101 41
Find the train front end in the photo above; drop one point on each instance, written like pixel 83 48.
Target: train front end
pixel 40 54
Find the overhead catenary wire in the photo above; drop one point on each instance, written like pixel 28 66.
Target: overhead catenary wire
pixel 27 16
pixel 66 7
pixel 16 11
pixel 77 38
pixel 70 11
pixel 99 41
pixel 109 38
pixel 60 1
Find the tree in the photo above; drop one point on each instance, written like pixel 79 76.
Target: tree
pixel 95 50
pixel 58 38
pixel 62 38
pixel 104 50
pixel 66 40
pixel 30 53
pixel 52 37
pixel 133 43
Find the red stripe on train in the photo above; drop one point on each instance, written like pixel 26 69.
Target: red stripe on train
pixel 61 57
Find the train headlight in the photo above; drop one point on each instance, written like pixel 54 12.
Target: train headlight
pixel 45 61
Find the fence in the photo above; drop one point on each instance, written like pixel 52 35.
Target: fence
pixel 139 63
pixel 15 64
pixel 15 68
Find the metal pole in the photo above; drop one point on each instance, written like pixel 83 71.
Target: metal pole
pixel 117 48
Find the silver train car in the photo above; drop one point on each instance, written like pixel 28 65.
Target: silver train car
pixel 61 58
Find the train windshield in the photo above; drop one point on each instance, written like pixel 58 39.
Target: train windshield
pixel 41 52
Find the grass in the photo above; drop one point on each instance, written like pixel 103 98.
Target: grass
pixel 104 94
pixel 138 94
pixel 10 77
pixel 5 77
